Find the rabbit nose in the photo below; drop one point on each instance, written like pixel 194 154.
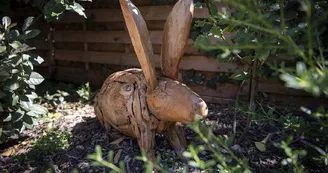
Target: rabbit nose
pixel 201 109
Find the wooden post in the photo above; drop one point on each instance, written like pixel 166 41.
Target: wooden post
pixel 85 45
pixel 52 62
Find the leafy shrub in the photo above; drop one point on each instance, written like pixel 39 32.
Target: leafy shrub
pixel 17 76
pixel 53 141
pixel 287 36
pixel 57 100
pixel 18 80
pixel 84 92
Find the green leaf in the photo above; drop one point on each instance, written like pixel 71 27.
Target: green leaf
pixel 3 49
pixel 14 100
pixel 26 105
pixel 4 75
pixel 30 34
pixel 32 96
pixel 224 57
pixel 13 34
pixel 16 44
pixel 35 79
pixel 27 23
pixel 290 81
pixel 78 9
pixel 32 114
pixel 53 10
pixel 193 164
pixel 8 118
pixel 262 54
pixel 25 57
pixel 18 115
pixel 38 109
pixel 12 84
pixel 201 42
pixel 2 94
pixel 14 71
pixel 239 75
pixel 300 68
pixel 212 7
pixel 187 154
pixel 28 122
pixel 36 59
pixel 6 21
pixel 260 146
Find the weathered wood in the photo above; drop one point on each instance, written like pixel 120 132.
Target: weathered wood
pixel 156 37
pixel 69 45
pixel 278 87
pixel 107 47
pixel 199 63
pixel 80 76
pixel 140 38
pixel 176 32
pixel 148 12
pixel 38 44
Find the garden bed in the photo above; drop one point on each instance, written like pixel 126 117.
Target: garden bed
pixel 62 141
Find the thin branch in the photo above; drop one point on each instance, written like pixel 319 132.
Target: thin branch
pixel 234 131
pixel 253 86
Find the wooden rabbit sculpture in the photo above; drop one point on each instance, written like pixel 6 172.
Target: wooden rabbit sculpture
pixel 139 103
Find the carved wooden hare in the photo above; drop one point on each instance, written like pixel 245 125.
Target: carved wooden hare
pixel 139 103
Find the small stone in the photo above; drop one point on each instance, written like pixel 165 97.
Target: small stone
pixel 80 147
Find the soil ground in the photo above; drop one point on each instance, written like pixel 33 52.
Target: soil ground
pixel 86 132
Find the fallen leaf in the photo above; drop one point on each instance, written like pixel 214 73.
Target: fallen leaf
pixel 117 141
pixel 55 115
pixel 117 156
pixel 25 142
pixel 44 134
pixel 260 146
pixel 49 126
pixel 9 152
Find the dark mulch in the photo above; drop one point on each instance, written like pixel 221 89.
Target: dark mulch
pixel 86 133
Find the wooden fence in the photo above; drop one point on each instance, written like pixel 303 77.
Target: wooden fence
pixel 79 50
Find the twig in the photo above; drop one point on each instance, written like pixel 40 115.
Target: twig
pixel 253 84
pixel 235 112
pixel 319 150
pixel 236 54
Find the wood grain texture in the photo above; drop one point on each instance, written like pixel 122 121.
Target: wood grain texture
pixel 176 33
pixel 199 63
pixel 139 34
pixel 159 12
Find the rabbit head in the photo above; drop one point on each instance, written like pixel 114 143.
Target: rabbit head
pixel 167 99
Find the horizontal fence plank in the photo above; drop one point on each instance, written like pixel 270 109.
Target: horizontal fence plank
pixel 278 87
pixel 114 15
pixel 38 44
pixel 156 37
pixel 200 63
pixel 96 78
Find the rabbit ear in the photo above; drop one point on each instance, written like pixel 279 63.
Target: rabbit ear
pixel 139 34
pixel 176 33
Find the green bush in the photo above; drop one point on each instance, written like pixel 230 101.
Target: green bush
pixel 17 76
pixel 18 80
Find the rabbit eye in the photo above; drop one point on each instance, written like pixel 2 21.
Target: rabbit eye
pixel 127 88
pixel 162 95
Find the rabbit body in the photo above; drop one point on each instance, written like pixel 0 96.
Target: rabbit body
pixel 122 99
pixel 139 103
pixel 122 104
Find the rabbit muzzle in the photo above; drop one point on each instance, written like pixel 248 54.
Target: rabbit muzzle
pixel 174 101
